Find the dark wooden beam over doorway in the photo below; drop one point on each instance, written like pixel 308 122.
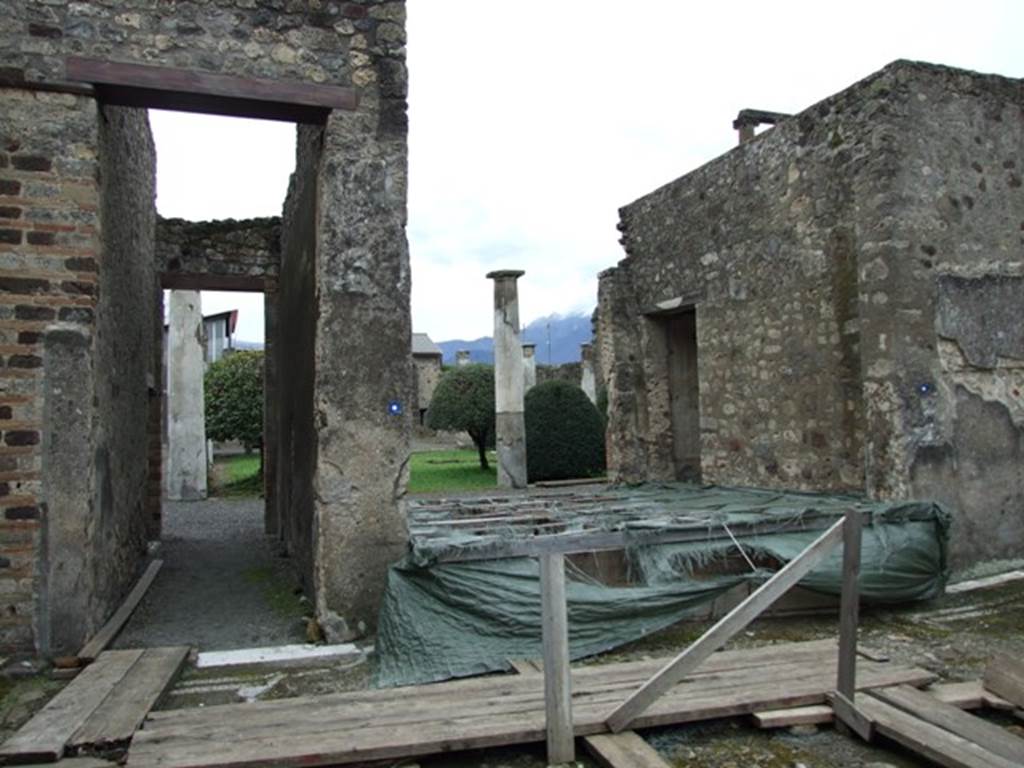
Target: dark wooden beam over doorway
pixel 185 281
pixel 184 90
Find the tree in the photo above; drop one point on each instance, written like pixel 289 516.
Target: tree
pixel 564 433
pixel 464 401
pixel 233 388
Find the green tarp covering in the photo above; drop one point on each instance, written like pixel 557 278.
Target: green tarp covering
pixel 452 619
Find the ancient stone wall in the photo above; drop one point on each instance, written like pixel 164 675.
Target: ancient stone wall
pixel 571 372
pixel 428 374
pixel 223 254
pixel 858 281
pixel 762 242
pixel 330 42
pixel 294 341
pixel 123 363
pixel 941 301
pixel 365 387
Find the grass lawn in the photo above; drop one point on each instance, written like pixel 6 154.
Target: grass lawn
pixel 434 471
pixel 237 475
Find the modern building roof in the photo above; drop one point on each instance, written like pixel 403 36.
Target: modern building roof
pixel 422 345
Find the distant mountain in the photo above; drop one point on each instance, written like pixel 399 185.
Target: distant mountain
pixel 239 344
pixel 565 334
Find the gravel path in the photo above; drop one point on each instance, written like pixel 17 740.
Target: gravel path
pixel 223 584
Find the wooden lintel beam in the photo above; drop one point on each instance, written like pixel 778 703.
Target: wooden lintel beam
pixel 143 85
pixel 203 281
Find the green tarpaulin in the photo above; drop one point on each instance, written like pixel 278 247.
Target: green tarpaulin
pixel 452 619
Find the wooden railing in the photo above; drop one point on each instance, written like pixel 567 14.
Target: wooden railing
pixel 557 687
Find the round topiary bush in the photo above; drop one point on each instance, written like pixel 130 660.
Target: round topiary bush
pixel 564 433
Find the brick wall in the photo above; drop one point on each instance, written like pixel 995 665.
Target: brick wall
pixel 48 274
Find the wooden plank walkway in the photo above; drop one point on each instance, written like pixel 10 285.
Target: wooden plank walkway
pixel 965 695
pixel 104 705
pixel 996 740
pixel 421 720
pixel 919 731
pixel 109 631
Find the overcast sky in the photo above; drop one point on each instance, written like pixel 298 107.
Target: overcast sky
pixel 531 123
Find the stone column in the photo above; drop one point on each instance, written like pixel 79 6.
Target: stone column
pixel 186 420
pixel 462 357
pixel 587 381
pixel 508 380
pixel 529 367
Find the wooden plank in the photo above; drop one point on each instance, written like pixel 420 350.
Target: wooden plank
pixel 966 695
pixel 998 702
pixel 205 281
pixel 392 724
pixel 815 654
pixel 600 540
pixel 121 714
pixel 815 714
pixel 45 735
pixel 692 700
pixel 690 703
pixel 930 741
pixel 623 750
pixel 109 630
pixel 735 621
pixel 74 762
pixel 849 605
pixel 986 583
pixel 143 85
pixel 525 666
pixel 557 682
pixel 847 714
pixel 995 739
pixel 1004 676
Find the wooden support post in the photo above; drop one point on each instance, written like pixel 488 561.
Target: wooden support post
pixel 733 622
pixel 557 684
pixel 849 606
pixel 843 700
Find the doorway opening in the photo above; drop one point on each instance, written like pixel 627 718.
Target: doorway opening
pixel 684 393
pixel 227 581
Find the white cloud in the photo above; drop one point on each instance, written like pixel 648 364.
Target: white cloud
pixel 531 123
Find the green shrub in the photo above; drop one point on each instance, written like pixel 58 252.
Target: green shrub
pixel 564 433
pixel 464 401
pixel 234 399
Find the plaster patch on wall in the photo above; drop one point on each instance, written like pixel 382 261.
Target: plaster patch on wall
pixel 983 315
pixel 1002 384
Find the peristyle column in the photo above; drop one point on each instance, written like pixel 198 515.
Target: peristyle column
pixel 508 380
pixel 588 382
pixel 186 418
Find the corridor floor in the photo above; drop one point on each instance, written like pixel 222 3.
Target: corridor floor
pixel 223 585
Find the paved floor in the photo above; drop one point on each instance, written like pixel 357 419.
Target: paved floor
pixel 223 584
